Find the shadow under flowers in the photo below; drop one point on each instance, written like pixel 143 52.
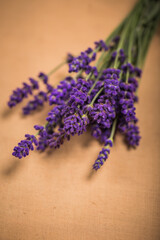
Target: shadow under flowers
pixel 84 141
pixel 11 168
pixel 91 174
pixel 78 149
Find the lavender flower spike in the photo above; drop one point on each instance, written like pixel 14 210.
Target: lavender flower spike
pixel 20 93
pixel 103 155
pixel 24 146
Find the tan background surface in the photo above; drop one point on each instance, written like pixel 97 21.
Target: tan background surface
pixel 45 197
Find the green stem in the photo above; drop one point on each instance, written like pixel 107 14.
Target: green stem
pixel 131 20
pixel 131 32
pixel 139 49
pixel 95 97
pixel 117 31
pixel 147 30
pixel 148 41
pixel 100 73
pixel 56 68
pixel 125 30
pixel 94 84
pixel 152 13
pixel 79 74
pixel 113 128
pixel 121 42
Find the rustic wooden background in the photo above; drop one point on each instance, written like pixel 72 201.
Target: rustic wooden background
pixel 55 196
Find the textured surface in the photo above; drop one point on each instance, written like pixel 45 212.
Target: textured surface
pixel 55 196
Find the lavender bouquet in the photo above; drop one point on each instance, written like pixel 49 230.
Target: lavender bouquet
pixel 100 91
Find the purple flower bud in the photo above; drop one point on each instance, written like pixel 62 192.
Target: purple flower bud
pixel 101 45
pixel 103 155
pixel 24 146
pixel 44 77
